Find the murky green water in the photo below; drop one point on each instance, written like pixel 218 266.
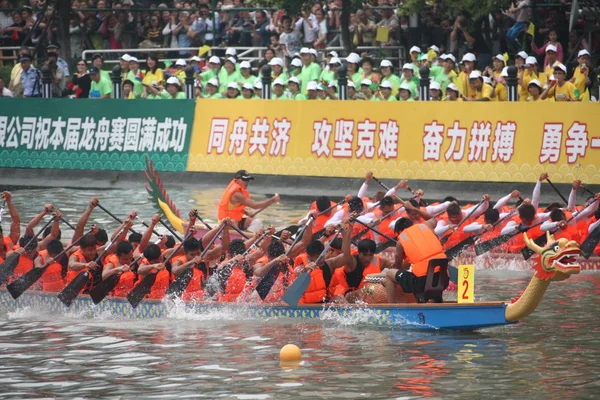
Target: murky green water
pixel 554 354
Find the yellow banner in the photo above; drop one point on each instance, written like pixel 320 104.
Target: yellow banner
pixel 501 142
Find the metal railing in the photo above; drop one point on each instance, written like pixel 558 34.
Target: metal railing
pixel 378 52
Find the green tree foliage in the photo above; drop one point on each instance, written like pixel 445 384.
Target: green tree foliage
pixel 470 8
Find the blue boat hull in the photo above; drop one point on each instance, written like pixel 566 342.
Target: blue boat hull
pixel 447 316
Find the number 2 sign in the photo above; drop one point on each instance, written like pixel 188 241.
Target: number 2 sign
pixel 466 284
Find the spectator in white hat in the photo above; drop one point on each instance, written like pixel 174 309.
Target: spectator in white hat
pixel 385 91
pixel 387 75
pixel 278 71
pixel 498 65
pixel 352 94
pixel 231 52
pixel 581 78
pixel 180 65
pixel 462 81
pixel 311 71
pixel 330 73
pixel 535 90
pixel 452 93
pixel 322 92
pixel 556 47
pixel 331 91
pixel 314 56
pixel 232 91
pixel 531 72
pixel 246 73
pixel 478 90
pixel 366 88
pixel 228 74
pixel 195 63
pixel 211 90
pixel 354 71
pixel 212 70
pixel 435 91
pixel 311 90
pixel 415 52
pixel 173 90
pixel 279 90
pixel 409 78
pixel 559 88
pixel 405 92
pixel 132 73
pixel 294 88
pixel 448 74
pixel 247 91
pixel 258 87
pixel 295 69
pixel 500 90
pixel 550 60
pixel 520 59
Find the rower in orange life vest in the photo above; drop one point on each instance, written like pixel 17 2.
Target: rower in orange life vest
pixel 386 206
pixel 446 225
pixel 525 222
pixel 236 198
pixel 568 230
pixel 15 225
pixel 594 224
pixel 321 204
pixel 52 280
pixel 118 263
pixel 417 244
pixel 152 263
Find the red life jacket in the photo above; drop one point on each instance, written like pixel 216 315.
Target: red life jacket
pixel 339 285
pixel 234 286
pixel 420 245
pixel 518 242
pixel 317 288
pixel 24 266
pixel 194 291
pixel 322 219
pixel 80 259
pixel 52 279
pixel 161 283
pixel 126 279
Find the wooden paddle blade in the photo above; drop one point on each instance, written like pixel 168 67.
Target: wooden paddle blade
pixel 104 288
pixel 179 285
pixel 453 274
pixel 18 287
pixel 267 282
pixel 590 243
pixel 491 244
pixel 295 292
pixel 382 246
pixel 460 247
pixel 7 268
pixel 71 292
pixel 292 229
pixel 540 241
pixel 138 293
pixel 445 239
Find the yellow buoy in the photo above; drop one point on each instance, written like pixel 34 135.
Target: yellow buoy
pixel 290 352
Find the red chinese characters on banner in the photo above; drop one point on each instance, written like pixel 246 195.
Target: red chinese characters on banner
pixel 343 132
pixel 479 142
pixel 576 142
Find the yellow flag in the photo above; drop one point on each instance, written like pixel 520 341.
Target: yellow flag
pixel 506 57
pixel 531 29
pixel 383 34
pixel 203 50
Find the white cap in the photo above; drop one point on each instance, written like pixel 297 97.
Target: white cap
pixel 551 47
pixel 248 85
pixel 385 84
pixel 258 84
pixel 173 81
pixel 504 72
pixel 214 60
pixel 434 48
pixel 195 58
pixel 126 57
pixel 366 82
pixel 276 61
pixel 312 85
pixel 385 63
pixel 435 85
pixel 231 60
pixel 414 49
pixel 535 82
pixel 296 62
pixel 499 57
pixel 278 81
pixel 313 52
pixel 321 87
pixel 245 64
pixel 408 66
pixel 335 60
pixel 530 60
pixel 561 67
pixel 233 85
pixel 583 53
pixel 231 52
pixel 213 82
pixel 487 79
pixel 452 86
pixel 423 57
pixel 305 50
pixel 333 53
pixel 333 84
pixel 294 80
pixel 181 62
pixel 469 57
pixel 474 75
pixel 353 58
pixel 522 54
pixel 134 59
pixel 404 86
pixel 351 84
pixel 451 57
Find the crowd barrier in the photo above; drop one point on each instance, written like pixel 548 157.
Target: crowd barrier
pixel 491 142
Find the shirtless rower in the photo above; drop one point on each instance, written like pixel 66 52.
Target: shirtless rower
pixel 15 225
pixel 236 198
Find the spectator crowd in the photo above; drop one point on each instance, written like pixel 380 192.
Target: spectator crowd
pixel 467 58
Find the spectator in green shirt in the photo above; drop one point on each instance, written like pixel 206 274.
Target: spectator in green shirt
pixel 246 74
pixel 173 90
pixel 311 90
pixel 367 91
pixel 311 71
pixel 385 91
pixel 408 77
pixel 247 91
pixel 294 89
pixel 228 74
pixel 435 91
pixel 212 70
pixel 296 71
pixel 278 72
pixel 258 86
pixel 330 75
pixel 405 92
pixel 100 88
pixel 233 91
pixel 387 75
pixel 279 90
pixel 212 89
pixel 448 74
pixel 354 72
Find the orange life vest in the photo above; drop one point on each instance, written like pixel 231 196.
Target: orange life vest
pixel 193 291
pixel 126 279
pixel 52 279
pixel 321 219
pixel 226 209
pixel 489 235
pixel 234 286
pixel 384 226
pixel 24 266
pixel 281 285
pixel 420 245
pixel 8 243
pixel 317 288
pixel 73 274
pixel 161 283
pixel 518 242
pixel 339 285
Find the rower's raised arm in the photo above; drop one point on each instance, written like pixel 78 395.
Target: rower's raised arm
pixel 438 209
pixel 510 229
pixel 537 190
pixel 15 224
pixel 474 227
pixel 336 219
pixel 573 195
pixel 83 220
pixel 36 220
pixel 148 234
pixel 362 192
pixel 504 200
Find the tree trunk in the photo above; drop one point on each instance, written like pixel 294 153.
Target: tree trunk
pixel 63 12
pixel 346 41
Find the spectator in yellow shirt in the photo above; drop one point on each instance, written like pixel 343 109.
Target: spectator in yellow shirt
pixel 559 88
pixel 180 65
pixel 527 75
pixel 154 75
pixel 462 81
pixel 500 91
pixel 535 90
pixel 581 78
pixel 551 58
pixel 478 90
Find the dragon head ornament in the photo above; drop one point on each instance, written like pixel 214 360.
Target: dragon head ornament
pixel 557 260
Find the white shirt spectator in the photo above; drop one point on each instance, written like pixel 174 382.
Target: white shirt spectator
pixel 310 31
pixel 5 93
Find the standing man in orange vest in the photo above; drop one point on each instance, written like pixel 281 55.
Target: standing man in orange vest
pixel 236 198
pixel 417 244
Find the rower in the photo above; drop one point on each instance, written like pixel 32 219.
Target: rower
pixel 236 198
pixel 118 263
pixel 454 216
pixel 417 245
pixel 564 229
pixel 320 205
pixel 594 224
pixel 385 214
pixel 152 263
pixel 526 219
pixel 380 194
pixel 15 224
pixel 52 279
pixel 233 282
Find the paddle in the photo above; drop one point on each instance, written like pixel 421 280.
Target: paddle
pixel 264 286
pixel 361 233
pixel 140 291
pixel 18 287
pixel 67 223
pixel 556 190
pixel 590 243
pixel 376 231
pixel 294 228
pixel 183 280
pixel 484 247
pixel 421 202
pixel 175 235
pixel 587 190
pixel 444 240
pixel 146 225
pixel 113 216
pixel 10 263
pixel 295 292
pixel 70 293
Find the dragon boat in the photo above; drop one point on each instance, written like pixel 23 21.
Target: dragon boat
pixel 556 262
